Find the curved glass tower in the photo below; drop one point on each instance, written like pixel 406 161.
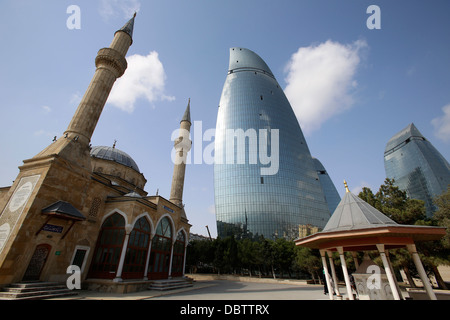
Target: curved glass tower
pixel 416 166
pixel 265 182
pixel 332 197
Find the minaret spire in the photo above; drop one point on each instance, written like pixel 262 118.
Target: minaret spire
pixel 111 64
pixel 182 146
pixel 187 113
pixel 128 27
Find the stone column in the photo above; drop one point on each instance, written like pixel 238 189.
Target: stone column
pixel 184 260
pixel 389 272
pixel 344 270
pixel 327 276
pixel 171 259
pixel 128 229
pixel 148 258
pixel 423 275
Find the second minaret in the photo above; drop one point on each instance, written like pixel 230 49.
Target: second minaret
pixel 182 146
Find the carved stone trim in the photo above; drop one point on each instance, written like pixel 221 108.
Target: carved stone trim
pixel 111 59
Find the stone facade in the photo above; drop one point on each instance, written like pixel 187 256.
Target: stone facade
pixel 36 244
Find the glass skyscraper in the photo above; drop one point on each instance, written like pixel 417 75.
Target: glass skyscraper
pixel 332 197
pixel 265 181
pixel 416 166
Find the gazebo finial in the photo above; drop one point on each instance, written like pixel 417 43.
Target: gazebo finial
pixel 346 186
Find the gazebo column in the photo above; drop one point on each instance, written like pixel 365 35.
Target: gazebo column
pixel 333 273
pixel 389 272
pixel 423 276
pixel 344 270
pixel 395 279
pixel 327 276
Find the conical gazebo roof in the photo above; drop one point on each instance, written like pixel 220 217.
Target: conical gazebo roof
pixel 356 225
pixel 354 213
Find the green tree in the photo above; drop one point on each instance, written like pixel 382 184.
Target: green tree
pixel 283 254
pixel 442 215
pixel 367 195
pixel 250 255
pixel 308 261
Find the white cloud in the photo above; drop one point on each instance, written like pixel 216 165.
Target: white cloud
pixel 356 190
pixel 320 81
pixel 212 209
pixel 442 124
pixel 112 8
pixel 144 78
pixel 46 109
pixel 75 98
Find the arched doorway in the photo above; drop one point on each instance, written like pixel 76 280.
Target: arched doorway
pixel 178 255
pixel 161 251
pixel 137 250
pixel 37 262
pixel 108 248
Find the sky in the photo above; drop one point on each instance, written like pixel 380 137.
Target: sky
pixel 354 76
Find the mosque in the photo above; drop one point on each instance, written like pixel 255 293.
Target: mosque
pixel 74 204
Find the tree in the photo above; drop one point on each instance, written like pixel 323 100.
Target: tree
pixel 442 215
pixel 308 261
pixel 367 195
pixel 283 253
pixel 395 203
pixel 249 255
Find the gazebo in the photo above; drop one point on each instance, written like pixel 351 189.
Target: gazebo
pixel 357 226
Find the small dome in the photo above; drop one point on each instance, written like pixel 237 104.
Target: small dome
pixel 113 154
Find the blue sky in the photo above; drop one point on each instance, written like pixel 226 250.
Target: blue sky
pixel 363 85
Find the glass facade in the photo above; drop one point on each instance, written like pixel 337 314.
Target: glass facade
pixel 332 197
pixel 265 181
pixel 416 166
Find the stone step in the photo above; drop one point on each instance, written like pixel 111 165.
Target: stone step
pixel 23 290
pixel 34 290
pixel 170 284
pixel 33 284
pixel 42 296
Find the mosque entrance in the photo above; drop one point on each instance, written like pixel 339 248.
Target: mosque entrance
pixel 161 251
pixel 109 248
pixel 37 262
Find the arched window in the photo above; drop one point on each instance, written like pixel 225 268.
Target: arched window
pixel 109 247
pixel 161 250
pixel 137 250
pixel 178 255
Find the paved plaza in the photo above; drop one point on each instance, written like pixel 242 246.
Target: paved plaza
pixel 217 290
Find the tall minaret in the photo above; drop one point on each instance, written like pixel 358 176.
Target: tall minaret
pixel 111 64
pixel 182 146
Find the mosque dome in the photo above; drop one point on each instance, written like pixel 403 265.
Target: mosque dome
pixel 113 154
